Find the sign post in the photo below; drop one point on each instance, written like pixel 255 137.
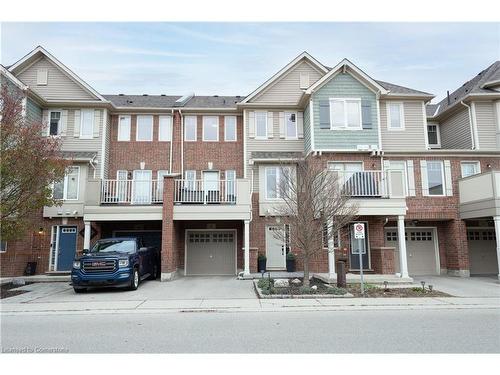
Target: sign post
pixel 359 236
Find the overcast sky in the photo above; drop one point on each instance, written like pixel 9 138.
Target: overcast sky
pixel 235 58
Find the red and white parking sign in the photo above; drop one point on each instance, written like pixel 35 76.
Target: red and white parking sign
pixel 359 231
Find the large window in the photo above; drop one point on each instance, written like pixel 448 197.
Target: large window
pixel 87 123
pixel 261 124
pixel 470 168
pixel 124 128
pixel 345 113
pixel 190 128
pixel 144 128
pixel 210 128
pixel 291 124
pixel 275 176
pixel 165 128
pixel 395 116
pixel 435 177
pixel 54 122
pixel 230 128
pixel 67 188
pixel 433 135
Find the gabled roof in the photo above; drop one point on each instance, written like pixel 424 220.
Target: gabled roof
pixel 431 109
pixel 401 90
pixel 11 77
pixel 479 85
pixel 345 63
pixel 303 56
pixel 39 52
pixel 169 101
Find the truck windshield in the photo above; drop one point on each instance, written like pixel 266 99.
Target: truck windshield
pixel 120 246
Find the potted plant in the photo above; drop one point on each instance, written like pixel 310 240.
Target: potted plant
pixel 261 262
pixel 290 262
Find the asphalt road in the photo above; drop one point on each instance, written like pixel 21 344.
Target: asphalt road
pixel 374 331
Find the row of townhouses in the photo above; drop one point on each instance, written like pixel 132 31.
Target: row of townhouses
pixel 198 176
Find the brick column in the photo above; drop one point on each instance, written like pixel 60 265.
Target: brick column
pixel 457 249
pixel 168 240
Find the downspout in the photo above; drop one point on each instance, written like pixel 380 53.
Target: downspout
pixel 473 140
pixel 182 143
pixel 91 162
pixel 171 141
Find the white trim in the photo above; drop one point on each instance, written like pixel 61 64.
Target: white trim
pixel 129 117
pixel 56 253
pixel 104 160
pixel 303 55
pixel 345 126
pixel 150 139
pixel 56 250
pixel 82 136
pixel 311 124
pixel 341 65
pixel 379 125
pixel 245 145
pixel 401 115
pixel 278 176
pixel 474 125
pixel 168 133
pixel 256 127
pixel 203 129
pixel 462 162
pixel 235 128
pixel 443 181
pixel 13 78
pixel 284 244
pixel 195 117
pixel 296 125
pixel 235 231
pixel 438 134
pixel 61 66
pixel 59 124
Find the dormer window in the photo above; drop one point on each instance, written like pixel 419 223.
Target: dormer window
pixel 433 136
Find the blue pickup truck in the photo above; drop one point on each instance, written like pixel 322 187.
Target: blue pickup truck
pixel 119 262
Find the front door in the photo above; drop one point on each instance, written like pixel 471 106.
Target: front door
pixel 211 186
pixel 141 187
pixel 67 248
pixel 275 248
pixel 361 245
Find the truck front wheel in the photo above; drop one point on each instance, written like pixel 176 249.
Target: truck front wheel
pixel 80 290
pixel 134 282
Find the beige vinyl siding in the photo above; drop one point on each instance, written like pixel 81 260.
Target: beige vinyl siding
pixel 275 144
pixel 455 131
pixel 486 125
pixel 287 89
pixel 412 138
pixel 59 85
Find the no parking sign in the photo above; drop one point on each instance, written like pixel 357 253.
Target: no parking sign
pixel 359 231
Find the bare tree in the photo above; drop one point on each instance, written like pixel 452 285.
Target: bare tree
pixel 314 203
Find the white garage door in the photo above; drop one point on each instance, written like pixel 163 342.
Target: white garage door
pixel 210 253
pixel 482 251
pixel 421 247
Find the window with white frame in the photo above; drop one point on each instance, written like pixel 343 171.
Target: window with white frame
pixel 190 128
pixel 87 123
pixel 435 177
pixel 3 246
pixel 470 168
pixel 210 128
pixel 261 124
pixel 291 125
pixel 67 188
pixel 159 187
pixel 144 128
pixel 124 128
pixel 325 238
pixel 55 122
pixel 395 116
pixel 190 177
pixel 165 128
pixel 345 113
pixel 275 176
pixel 433 135
pixel 230 128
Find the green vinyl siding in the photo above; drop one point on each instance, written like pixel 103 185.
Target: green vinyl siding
pixel 307 130
pixel 344 86
pixel 33 111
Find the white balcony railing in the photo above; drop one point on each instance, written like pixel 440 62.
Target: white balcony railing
pixel 205 192
pixel 131 191
pixel 372 184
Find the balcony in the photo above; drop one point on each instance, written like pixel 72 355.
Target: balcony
pixel 204 192
pixel 479 195
pixel 131 192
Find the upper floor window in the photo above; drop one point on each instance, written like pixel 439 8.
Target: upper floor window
pixel 470 168
pixel 395 116
pixel 291 124
pixel 275 177
pixel 87 123
pixel 210 128
pixel 230 128
pixel 261 124
pixel 435 177
pixel 144 128
pixel 165 128
pixel 3 246
pixel 345 113
pixel 190 128
pixel 433 135
pixel 67 188
pixel 124 128
pixel 55 122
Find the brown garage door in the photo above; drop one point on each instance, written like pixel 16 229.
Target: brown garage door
pixel 210 253
pixel 482 251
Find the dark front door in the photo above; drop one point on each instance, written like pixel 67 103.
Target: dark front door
pixel 362 245
pixel 67 248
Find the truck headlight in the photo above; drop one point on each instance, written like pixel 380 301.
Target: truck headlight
pixel 122 263
pixel 76 264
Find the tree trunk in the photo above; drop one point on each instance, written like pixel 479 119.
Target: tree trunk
pixel 306 271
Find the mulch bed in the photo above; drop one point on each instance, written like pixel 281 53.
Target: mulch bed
pixel 9 290
pixel 395 292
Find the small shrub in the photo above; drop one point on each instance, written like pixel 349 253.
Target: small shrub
pixel 306 290
pixel 418 289
pixel 290 256
pixel 261 257
pixel 370 286
pixel 265 283
pixel 268 291
pixel 336 291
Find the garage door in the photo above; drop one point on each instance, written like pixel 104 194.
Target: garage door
pixel 420 250
pixel 482 251
pixel 210 253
